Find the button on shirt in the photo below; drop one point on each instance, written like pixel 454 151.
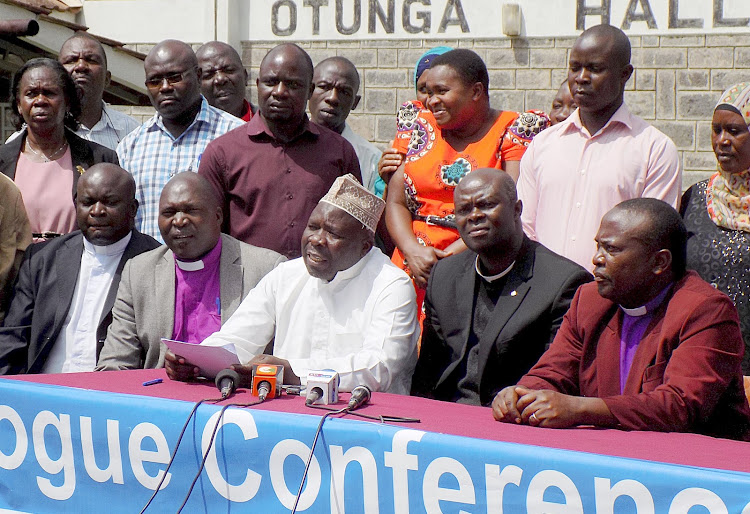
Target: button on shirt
pixel 75 348
pixel 363 323
pixel 570 179
pixel 153 156
pixel 270 187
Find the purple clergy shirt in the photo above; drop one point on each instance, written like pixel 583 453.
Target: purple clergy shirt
pixel 268 188
pixel 197 297
pixel 634 325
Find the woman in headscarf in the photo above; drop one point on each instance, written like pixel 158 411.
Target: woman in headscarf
pixel 461 132
pixel 412 117
pixel 717 211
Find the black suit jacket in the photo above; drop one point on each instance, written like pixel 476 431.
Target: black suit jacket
pixel 83 153
pixel 42 297
pixel 536 296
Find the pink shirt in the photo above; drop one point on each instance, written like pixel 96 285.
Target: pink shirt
pixel 46 187
pixel 570 179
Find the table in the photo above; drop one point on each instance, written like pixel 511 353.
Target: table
pixel 83 442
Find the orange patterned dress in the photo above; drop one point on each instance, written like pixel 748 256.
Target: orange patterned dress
pixel 433 168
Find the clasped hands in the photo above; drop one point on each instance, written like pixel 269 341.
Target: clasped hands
pixel 542 408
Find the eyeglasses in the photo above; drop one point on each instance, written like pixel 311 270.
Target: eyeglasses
pixel 172 79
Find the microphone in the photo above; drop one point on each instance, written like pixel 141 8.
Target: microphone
pixel 227 381
pixel 322 387
pixel 267 380
pixel 360 395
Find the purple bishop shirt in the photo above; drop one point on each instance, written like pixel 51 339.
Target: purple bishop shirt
pixel 197 297
pixel 634 325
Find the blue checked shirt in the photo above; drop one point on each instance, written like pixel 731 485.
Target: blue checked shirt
pixel 153 156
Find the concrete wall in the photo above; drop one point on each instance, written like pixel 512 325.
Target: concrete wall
pixel 676 83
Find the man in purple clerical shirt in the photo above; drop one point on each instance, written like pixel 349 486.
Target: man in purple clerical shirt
pixel 648 346
pixel 187 289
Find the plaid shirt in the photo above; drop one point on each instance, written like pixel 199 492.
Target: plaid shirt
pixel 153 156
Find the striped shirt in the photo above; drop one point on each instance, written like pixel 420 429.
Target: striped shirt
pixel 153 156
pixel 111 128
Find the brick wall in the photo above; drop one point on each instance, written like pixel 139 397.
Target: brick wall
pixel 676 83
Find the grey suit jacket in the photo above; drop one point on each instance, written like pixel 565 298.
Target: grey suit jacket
pixel 144 309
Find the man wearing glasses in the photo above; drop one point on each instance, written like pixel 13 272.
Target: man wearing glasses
pixel 173 140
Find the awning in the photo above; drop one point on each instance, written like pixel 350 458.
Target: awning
pixel 125 65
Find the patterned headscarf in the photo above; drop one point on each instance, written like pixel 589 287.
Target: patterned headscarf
pixel 424 62
pixel 728 194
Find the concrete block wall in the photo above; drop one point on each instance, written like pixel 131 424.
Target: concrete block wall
pixel 676 83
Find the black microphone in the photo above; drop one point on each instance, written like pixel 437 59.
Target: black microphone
pixel 227 381
pixel 360 396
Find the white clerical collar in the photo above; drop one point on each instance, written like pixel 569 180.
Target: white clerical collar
pixel 190 265
pixel 115 248
pixel 636 311
pixel 492 278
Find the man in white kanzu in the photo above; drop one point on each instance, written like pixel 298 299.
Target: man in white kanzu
pixel 343 305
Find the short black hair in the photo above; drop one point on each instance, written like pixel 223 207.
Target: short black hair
pixel 666 231
pixel 467 64
pixel 66 83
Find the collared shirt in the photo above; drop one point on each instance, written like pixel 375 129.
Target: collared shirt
pixel 111 128
pixel 153 156
pixel 247 111
pixel 270 188
pixel 634 324
pixel 362 324
pixel 368 155
pixel 570 179
pixel 75 348
pixel 197 305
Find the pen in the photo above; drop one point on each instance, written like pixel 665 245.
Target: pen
pixel 153 382
pixel 218 306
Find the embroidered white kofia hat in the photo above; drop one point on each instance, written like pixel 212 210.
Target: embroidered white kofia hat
pixel 349 195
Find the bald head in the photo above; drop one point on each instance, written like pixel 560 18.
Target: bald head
pixel 223 77
pixel 488 216
pixel 189 216
pixel 491 178
pixel 172 79
pixel 105 204
pixel 292 54
pixel 611 40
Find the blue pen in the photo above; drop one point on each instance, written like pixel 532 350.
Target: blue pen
pixel 218 306
pixel 153 382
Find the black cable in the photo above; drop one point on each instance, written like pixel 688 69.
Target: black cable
pixel 174 453
pixel 312 450
pixel 208 449
pixel 384 418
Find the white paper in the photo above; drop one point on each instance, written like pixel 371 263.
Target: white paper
pixel 210 359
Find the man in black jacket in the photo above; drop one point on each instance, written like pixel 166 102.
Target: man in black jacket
pixel 62 302
pixel 495 308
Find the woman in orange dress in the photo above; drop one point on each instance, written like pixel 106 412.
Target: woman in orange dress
pixel 467 134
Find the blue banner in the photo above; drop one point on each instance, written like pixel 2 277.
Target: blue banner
pixel 70 450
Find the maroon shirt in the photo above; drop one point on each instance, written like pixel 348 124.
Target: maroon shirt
pixel 269 188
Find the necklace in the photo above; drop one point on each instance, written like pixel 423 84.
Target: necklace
pixel 53 156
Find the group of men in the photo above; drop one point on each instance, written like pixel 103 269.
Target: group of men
pixel 268 221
